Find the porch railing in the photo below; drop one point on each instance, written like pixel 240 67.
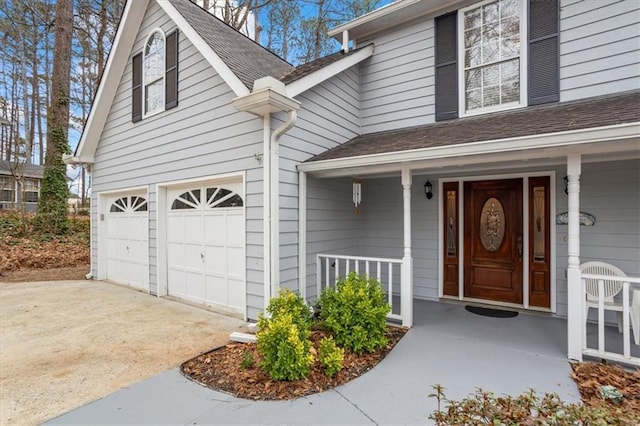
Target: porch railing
pixel 330 268
pixel 628 284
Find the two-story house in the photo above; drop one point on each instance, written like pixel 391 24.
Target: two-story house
pixel 469 151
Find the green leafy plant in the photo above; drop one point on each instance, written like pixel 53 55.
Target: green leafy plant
pixel 330 356
pixel 288 302
pixel 247 360
pixel 284 348
pixel 484 408
pixel 355 313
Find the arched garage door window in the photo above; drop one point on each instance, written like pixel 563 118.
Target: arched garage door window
pixel 215 198
pixel 129 205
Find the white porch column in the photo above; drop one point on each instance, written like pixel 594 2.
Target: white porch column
pixel 302 234
pixel 575 302
pixel 406 280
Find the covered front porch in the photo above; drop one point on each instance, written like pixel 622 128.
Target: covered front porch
pixel 398 234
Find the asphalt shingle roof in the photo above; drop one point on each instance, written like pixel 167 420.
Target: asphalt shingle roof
pixel 27 170
pixel 549 118
pixel 310 67
pixel 247 59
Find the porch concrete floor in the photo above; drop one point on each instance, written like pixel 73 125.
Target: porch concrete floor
pixel 447 346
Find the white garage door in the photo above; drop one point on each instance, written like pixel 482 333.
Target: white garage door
pixel 205 241
pixel 128 241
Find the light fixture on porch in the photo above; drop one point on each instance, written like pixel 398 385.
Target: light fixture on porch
pixel 357 195
pixel 427 190
pixel 566 184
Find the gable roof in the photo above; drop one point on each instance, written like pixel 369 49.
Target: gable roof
pixel 543 119
pixel 236 58
pixel 247 59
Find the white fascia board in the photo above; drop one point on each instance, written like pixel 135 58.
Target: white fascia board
pixel 307 82
pixel 212 57
pixel 371 16
pixel 551 141
pixel 118 57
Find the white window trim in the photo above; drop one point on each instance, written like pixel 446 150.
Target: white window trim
pixel 524 63
pixel 145 114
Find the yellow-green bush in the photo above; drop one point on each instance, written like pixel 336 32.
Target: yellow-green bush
pixel 284 348
pixel 355 313
pixel 330 356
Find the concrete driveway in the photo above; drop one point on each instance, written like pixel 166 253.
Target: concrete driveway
pixel 64 344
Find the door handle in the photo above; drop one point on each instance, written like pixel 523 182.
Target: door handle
pixel 519 246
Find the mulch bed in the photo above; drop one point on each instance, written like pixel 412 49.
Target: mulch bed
pixel 590 376
pixel 221 370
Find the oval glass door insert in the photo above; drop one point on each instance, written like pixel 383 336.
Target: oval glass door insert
pixel 492 224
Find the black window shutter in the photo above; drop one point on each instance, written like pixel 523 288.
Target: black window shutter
pixel 171 74
pixel 543 73
pixel 446 61
pixel 136 89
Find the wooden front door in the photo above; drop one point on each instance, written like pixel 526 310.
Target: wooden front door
pixel 493 240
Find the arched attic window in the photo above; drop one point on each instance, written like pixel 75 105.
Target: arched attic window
pixel 155 75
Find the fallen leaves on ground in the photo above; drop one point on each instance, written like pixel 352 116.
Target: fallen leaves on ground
pixel 51 274
pixel 221 370
pixel 590 376
pixel 23 247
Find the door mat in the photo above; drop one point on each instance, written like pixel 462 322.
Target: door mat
pixel 488 312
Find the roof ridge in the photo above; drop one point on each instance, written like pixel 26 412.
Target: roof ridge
pixel 238 31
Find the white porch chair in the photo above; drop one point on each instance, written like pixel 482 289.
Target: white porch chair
pixel 611 289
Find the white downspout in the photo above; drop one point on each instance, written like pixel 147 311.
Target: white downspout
pixel 266 201
pixel 274 200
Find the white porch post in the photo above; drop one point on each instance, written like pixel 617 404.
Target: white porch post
pixel 406 276
pixel 575 310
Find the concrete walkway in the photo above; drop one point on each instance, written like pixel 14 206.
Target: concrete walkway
pixel 447 346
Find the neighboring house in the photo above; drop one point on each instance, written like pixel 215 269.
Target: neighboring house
pixel 20 185
pixel 438 151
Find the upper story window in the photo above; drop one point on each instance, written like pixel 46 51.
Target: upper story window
pixel 492 56
pixel 155 76
pixel 496 55
pixel 154 73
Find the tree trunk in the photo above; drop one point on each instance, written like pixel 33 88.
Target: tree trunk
pixel 52 206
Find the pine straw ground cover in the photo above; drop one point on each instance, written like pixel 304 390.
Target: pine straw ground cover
pixel 221 369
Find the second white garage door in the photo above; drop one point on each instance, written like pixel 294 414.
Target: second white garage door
pixel 205 245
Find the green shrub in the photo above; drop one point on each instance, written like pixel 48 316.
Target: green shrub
pixel 284 348
pixel 483 408
pixel 291 303
pixel 247 360
pixel 355 313
pixel 330 356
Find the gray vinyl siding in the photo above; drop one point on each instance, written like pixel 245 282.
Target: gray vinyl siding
pixel 330 115
pixel 599 48
pixel 203 137
pixel 398 82
pixel 599 54
pixel 611 192
pixel 332 226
